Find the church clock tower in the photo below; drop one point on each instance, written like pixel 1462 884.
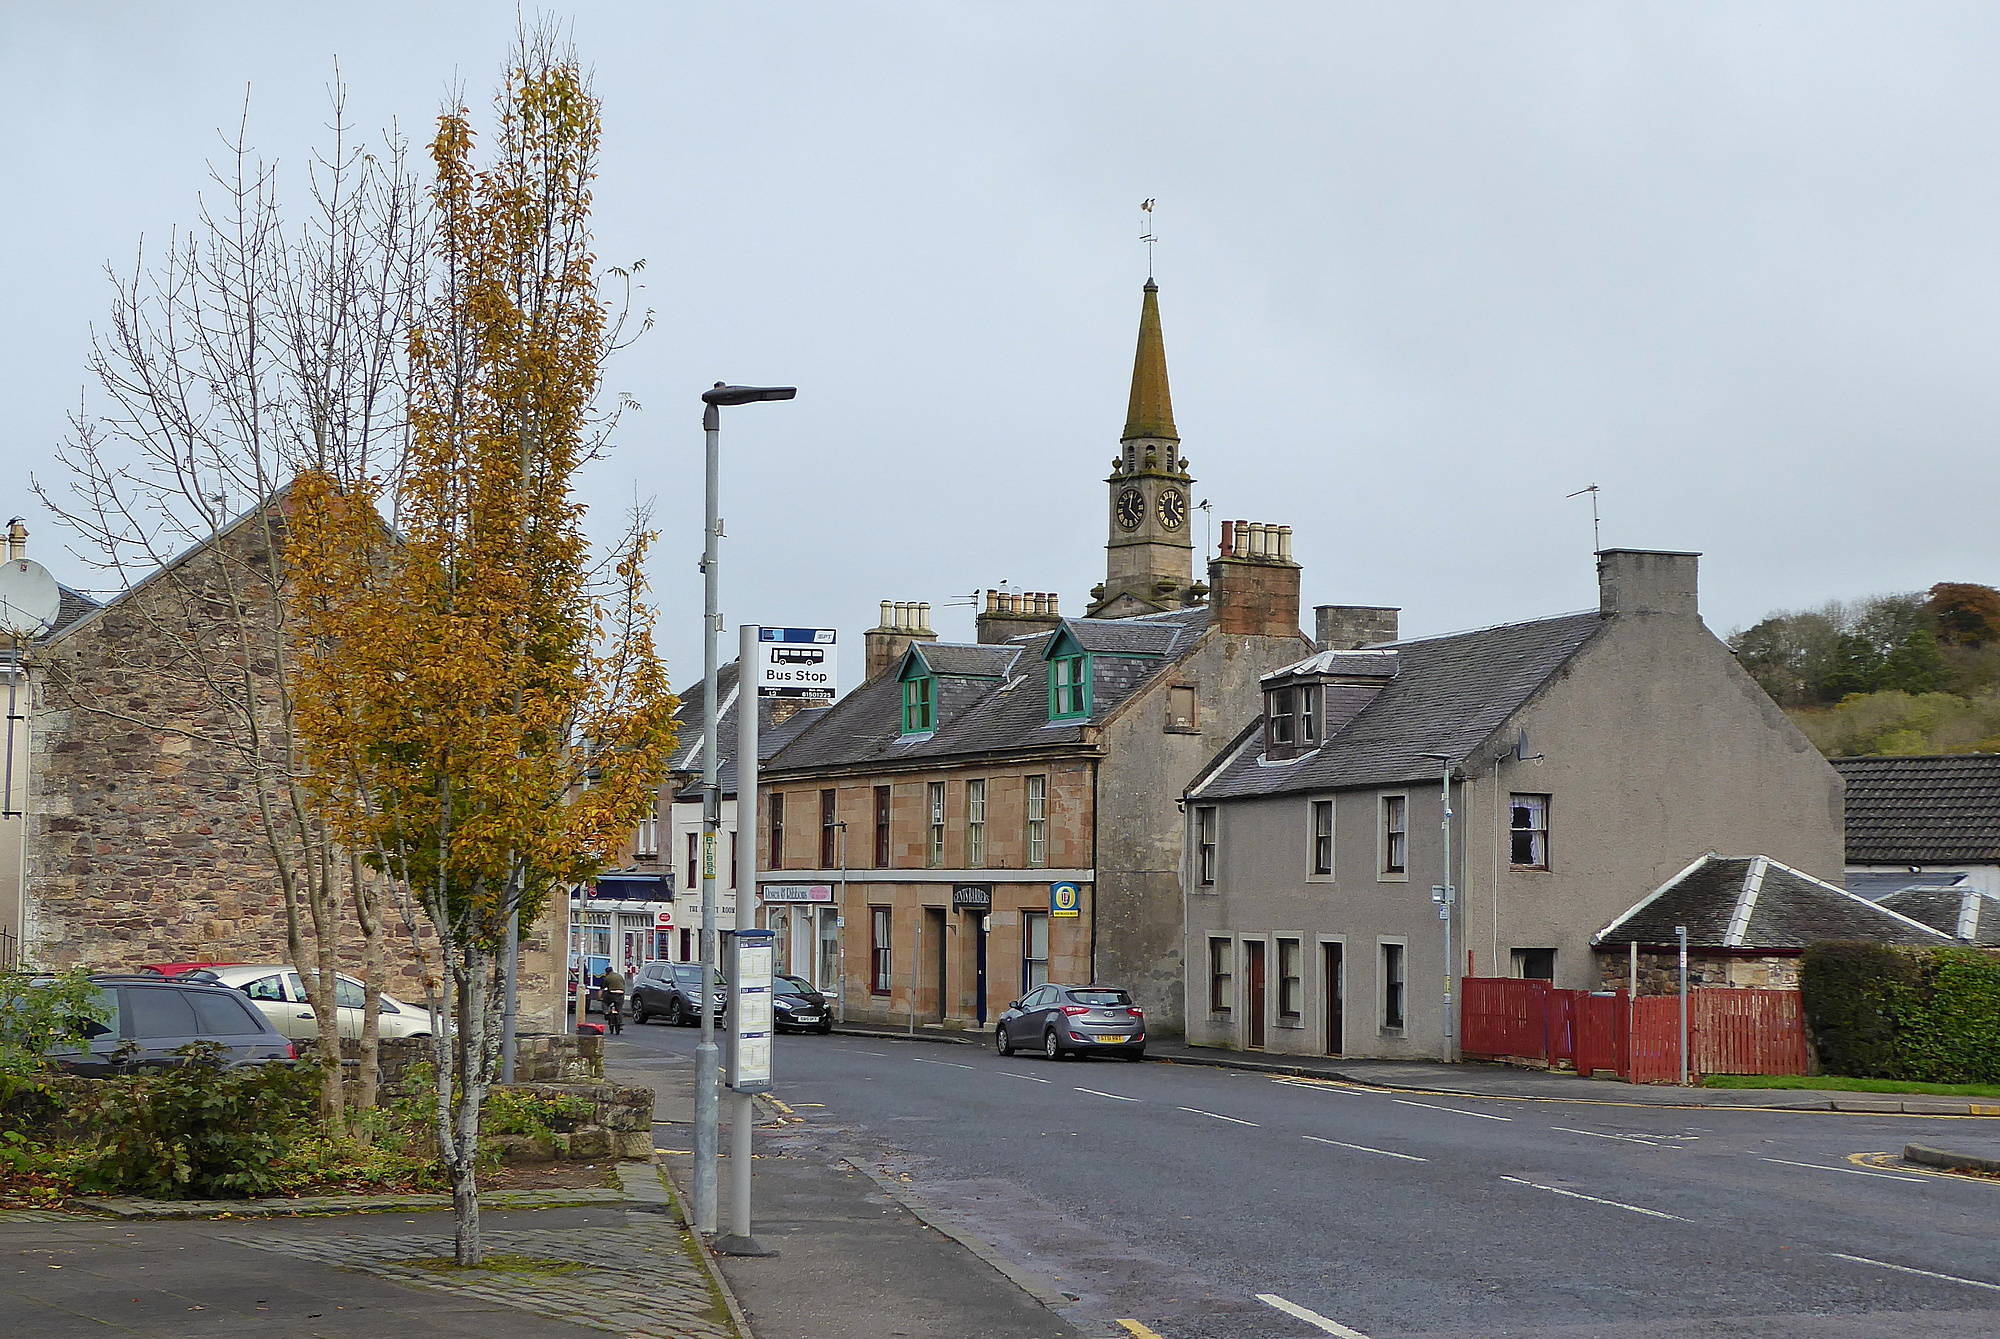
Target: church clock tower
pixel 1149 556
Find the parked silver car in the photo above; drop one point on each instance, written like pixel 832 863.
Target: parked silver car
pixel 1060 1020
pixel 278 991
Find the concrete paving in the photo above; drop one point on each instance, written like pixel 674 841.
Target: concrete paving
pixel 1211 1203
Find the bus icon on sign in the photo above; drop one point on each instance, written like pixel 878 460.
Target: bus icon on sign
pixel 797 655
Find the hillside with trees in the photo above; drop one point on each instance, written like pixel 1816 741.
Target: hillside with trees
pixel 1892 674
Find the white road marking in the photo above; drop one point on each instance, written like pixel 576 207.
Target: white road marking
pixel 1851 1171
pixel 1905 1269
pixel 1363 1148
pixel 858 1051
pixel 1113 1096
pixel 1217 1115
pixel 1600 1134
pixel 953 1063
pixel 1400 1101
pixel 1005 1074
pixel 1579 1195
pixel 1322 1085
pixel 1309 1316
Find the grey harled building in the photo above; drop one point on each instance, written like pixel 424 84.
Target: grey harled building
pixel 1591 756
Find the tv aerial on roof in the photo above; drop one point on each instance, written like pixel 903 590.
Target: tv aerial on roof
pixel 29 599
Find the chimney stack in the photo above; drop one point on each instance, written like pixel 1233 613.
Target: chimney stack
pixel 17 540
pixel 903 622
pixel 1253 582
pixel 1007 614
pixel 1644 581
pixel 1348 627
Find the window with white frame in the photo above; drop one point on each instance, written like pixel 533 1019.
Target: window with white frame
pixel 1038 820
pixel 1034 949
pixel 1528 831
pixel 1395 843
pixel 1221 975
pixel 1205 852
pixel 1392 985
pixel 1309 714
pixel 975 822
pixel 934 851
pixel 1291 981
pixel 1320 817
pixel 879 978
pixel 646 841
pixel 1281 718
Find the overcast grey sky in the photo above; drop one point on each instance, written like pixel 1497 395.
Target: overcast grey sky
pixel 1424 268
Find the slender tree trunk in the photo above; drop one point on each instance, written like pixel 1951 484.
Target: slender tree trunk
pixel 368 916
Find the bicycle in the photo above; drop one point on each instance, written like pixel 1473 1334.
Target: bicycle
pixel 614 1012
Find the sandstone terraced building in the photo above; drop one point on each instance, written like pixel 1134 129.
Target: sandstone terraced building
pixel 1003 812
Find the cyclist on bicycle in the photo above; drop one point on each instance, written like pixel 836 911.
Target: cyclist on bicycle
pixel 613 985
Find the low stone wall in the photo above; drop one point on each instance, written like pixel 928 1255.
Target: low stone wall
pixel 620 1125
pixel 538 1058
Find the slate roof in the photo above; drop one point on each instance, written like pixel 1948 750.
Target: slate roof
pixel 1963 912
pixel 770 738
pixel 1449 695
pixel 1877 884
pixel 987 714
pixel 1916 811
pixel 1755 902
pixel 1369 664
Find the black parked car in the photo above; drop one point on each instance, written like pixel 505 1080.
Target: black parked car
pixel 1059 1020
pixel 795 1005
pixel 156 1017
pixel 669 990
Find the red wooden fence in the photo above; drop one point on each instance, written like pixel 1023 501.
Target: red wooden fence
pixel 1730 1031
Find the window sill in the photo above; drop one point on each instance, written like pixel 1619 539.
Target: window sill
pixel 1391 1031
pixel 1321 878
pixel 1386 877
pixel 1527 869
pixel 1181 730
pixel 1292 1022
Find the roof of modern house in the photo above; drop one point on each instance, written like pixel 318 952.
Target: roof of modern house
pixel 1963 912
pixel 1877 884
pixel 1755 902
pixel 1916 811
pixel 771 736
pixel 993 698
pixel 1449 695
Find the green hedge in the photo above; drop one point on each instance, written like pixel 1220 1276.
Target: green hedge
pixel 1924 1015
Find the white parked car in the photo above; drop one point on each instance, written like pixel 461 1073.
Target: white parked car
pixel 277 990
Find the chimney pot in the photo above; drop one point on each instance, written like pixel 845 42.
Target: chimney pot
pixel 17 540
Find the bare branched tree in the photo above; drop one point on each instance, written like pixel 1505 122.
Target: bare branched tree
pixel 255 346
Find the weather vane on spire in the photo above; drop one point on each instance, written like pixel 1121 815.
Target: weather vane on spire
pixel 1146 234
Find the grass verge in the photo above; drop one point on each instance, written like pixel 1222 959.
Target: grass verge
pixel 1839 1083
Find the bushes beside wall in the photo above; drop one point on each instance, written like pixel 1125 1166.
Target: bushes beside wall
pixel 1926 1015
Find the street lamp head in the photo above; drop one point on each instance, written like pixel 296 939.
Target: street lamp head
pixel 726 394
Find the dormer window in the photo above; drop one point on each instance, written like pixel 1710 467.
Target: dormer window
pixel 1069 687
pixel 919 703
pixel 1281 719
pixel 1309 714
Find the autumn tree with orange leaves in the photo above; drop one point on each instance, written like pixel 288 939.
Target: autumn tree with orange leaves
pixel 484 709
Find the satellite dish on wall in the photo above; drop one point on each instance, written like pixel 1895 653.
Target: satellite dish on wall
pixel 29 599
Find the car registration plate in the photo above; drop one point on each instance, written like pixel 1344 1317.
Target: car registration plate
pixel 805 1018
pixel 1113 1041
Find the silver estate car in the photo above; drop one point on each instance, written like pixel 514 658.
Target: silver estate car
pixel 1059 1020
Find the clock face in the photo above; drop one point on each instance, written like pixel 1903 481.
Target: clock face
pixel 1173 508
pixel 1131 509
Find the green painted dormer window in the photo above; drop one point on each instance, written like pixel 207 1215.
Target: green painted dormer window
pixel 1069 687
pixel 919 704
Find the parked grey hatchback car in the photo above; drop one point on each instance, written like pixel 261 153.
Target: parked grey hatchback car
pixel 1058 1020
pixel 146 1019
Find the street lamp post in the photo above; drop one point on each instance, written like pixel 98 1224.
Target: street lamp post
pixel 1447 900
pixel 706 1095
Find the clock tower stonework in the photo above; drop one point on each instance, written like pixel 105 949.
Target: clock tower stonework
pixel 1149 556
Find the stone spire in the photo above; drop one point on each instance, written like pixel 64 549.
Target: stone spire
pixel 1151 411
